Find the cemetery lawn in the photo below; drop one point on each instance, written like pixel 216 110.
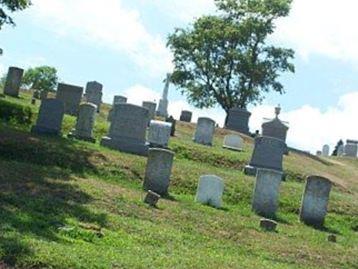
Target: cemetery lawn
pixel 71 204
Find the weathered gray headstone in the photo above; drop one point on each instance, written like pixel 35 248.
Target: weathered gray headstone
pixel 13 81
pixel 340 151
pixel 50 117
pixel 204 133
pixel 94 94
pixel 159 134
pixel 315 200
pixel 118 99
pixel 275 127
pixel 152 198
pixel 158 171
pixel 351 149
pixel 85 123
pixel 210 191
pixel 268 154
pixel 128 129
pixel 186 116
pixel 233 142
pixel 238 120
pixel 173 122
pixel 325 151
pixel 267 186
pixel 71 97
pixel 163 103
pixel 268 225
pixel 151 106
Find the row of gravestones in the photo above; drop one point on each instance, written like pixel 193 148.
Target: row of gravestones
pixel 350 149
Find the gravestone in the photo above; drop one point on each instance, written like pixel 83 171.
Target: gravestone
pixel 173 122
pixel 268 154
pixel 265 200
pixel 71 97
pixel 204 133
pixel 163 103
pixel 210 191
pixel 351 149
pixel 238 120
pixel 50 117
pixel 85 123
pixel 128 128
pixel 13 81
pixel 186 116
pixel 159 134
pixel 340 151
pixel 325 151
pixel 315 201
pixel 275 128
pixel 268 225
pixel 94 94
pixel 151 106
pixel 152 198
pixel 118 99
pixel 319 153
pixel 158 171
pixel 233 142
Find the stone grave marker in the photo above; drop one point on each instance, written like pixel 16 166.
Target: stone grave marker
pixel 85 123
pixel 159 134
pixel 233 142
pixel 204 133
pixel 94 94
pixel 238 120
pixel 13 81
pixel 210 191
pixel 186 116
pixel 71 96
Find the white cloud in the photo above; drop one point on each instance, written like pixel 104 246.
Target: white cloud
pixel 324 27
pixel 105 23
pixel 138 93
pixel 2 70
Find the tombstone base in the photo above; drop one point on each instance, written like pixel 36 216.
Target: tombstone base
pixel 45 131
pixel 87 139
pixel 153 145
pixel 125 146
pixel 233 149
pixel 202 143
pixel 250 170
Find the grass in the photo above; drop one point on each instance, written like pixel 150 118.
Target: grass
pixel 71 204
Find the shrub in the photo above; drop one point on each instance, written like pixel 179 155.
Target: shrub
pixel 11 112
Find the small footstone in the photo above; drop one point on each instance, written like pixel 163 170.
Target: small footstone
pixel 152 198
pixel 332 238
pixel 268 225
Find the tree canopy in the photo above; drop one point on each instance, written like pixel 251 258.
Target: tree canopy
pixel 9 6
pixel 226 58
pixel 43 78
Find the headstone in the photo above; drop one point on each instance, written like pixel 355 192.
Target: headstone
pixel 332 238
pixel 71 96
pixel 159 134
pixel 186 116
pixel 325 151
pixel 94 94
pixel 118 99
pixel 210 191
pixel 315 201
pixel 319 153
pixel 128 129
pixel 233 142
pixel 50 117
pixel 275 128
pixel 158 171
pixel 151 106
pixel 268 154
pixel 163 103
pixel 173 122
pixel 152 198
pixel 340 151
pixel 85 123
pixel 268 225
pixel 238 120
pixel 267 186
pixel 204 133
pixel 13 81
pixel 351 149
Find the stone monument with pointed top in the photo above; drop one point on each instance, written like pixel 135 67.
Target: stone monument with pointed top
pixel 163 103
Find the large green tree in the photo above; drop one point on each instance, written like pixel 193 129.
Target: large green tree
pixel 43 78
pixel 227 59
pixel 9 6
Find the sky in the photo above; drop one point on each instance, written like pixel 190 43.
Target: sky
pixel 122 44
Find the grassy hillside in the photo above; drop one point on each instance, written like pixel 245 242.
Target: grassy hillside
pixel 71 204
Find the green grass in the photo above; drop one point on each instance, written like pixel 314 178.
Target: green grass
pixel 71 204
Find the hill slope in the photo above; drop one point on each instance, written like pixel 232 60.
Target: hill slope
pixel 70 204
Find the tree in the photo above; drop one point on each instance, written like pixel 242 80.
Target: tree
pixel 339 144
pixel 7 6
pixel 43 78
pixel 225 59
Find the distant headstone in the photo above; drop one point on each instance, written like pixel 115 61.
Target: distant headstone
pixel 118 99
pixel 158 171
pixel 325 151
pixel 267 186
pixel 233 142
pixel 94 94
pixel 186 116
pixel 210 191
pixel 128 129
pixel 173 122
pixel 238 120
pixel 315 201
pixel 340 151
pixel 204 133
pixel 85 123
pixel 351 149
pixel 159 134
pixel 13 81
pixel 151 106
pixel 268 225
pixel 268 153
pixel 50 117
pixel 275 128
pixel 152 198
pixel 163 103
pixel 319 153
pixel 71 96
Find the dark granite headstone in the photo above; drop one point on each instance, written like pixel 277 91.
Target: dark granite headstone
pixel 71 96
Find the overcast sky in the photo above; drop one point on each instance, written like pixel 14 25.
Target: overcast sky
pixel 121 43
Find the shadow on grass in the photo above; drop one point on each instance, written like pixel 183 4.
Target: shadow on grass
pixel 35 202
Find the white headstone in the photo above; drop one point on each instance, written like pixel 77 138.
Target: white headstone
pixel 159 133
pixel 233 142
pixel 210 191
pixel 325 151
